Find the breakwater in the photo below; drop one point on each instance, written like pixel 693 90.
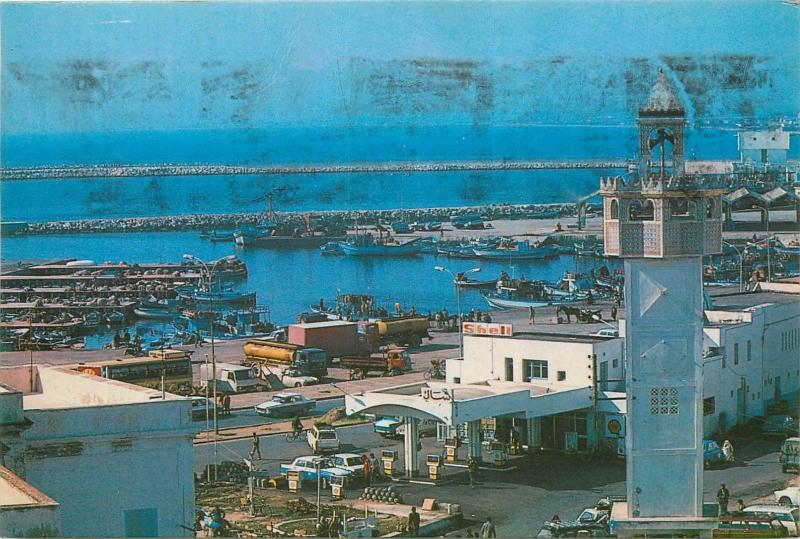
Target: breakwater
pixel 166 170
pixel 332 219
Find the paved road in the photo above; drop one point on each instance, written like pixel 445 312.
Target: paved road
pixel 541 486
pixel 247 416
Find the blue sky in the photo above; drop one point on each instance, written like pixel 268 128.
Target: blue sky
pixel 89 67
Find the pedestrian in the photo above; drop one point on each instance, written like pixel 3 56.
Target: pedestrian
pixel 488 530
pixel 256 449
pixel 531 315
pixel 367 471
pixel 613 312
pixel 727 451
pixel 376 466
pixel 227 404
pixel 472 471
pixel 413 522
pixel 723 495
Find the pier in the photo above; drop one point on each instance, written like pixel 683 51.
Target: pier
pixel 166 170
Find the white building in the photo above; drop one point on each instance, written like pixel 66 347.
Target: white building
pixel 116 457
pixel 763 147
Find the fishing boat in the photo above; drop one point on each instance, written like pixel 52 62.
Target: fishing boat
pixel 115 317
pixel 224 237
pixel 91 321
pixel 496 299
pixel 366 245
pixel 217 296
pixel 331 248
pixel 269 237
pixel 521 250
pixel 465 282
pixel 153 310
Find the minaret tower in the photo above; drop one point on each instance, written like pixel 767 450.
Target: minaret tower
pixel 662 223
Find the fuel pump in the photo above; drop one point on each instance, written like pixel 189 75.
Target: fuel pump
pixel 434 464
pixel 388 457
pixel 451 449
pixel 293 478
pixel 337 486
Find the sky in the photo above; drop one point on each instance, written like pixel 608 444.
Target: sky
pixel 94 68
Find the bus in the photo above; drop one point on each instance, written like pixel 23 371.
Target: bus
pixel 176 366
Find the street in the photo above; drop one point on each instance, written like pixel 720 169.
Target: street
pixel 247 416
pixel 543 485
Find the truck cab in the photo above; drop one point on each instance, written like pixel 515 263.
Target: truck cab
pixel 397 360
pixel 230 378
pixel 311 362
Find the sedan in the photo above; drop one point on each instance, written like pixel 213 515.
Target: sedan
pixel 308 466
pixel 293 378
pixel 349 461
pixel 286 404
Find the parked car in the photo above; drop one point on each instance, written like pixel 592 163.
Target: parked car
pixel 349 461
pixel 790 454
pixel 712 454
pixel 285 404
pixel 779 425
pixel 789 516
pixel 425 428
pixel 788 496
pixel 607 332
pixel 307 466
pixel 199 405
pixel 323 439
pixel 387 426
pixel 293 378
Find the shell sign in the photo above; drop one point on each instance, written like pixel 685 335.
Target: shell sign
pixel 615 426
pixel 479 328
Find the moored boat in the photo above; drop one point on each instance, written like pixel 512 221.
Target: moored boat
pixel 497 300
pixel 522 250
pixel 366 245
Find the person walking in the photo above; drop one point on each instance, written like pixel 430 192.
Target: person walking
pixel 531 315
pixel 488 529
pixel 472 471
pixel 375 465
pixel 227 404
pixel 413 522
pixel 367 471
pixel 723 495
pixel 256 449
pixel 613 312
pixel 727 451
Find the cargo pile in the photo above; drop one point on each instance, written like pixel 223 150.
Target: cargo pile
pixel 381 494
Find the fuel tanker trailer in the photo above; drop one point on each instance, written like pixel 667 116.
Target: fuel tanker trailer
pixel 308 361
pixel 406 331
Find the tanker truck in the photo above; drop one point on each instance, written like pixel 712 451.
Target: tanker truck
pixel 307 361
pixel 407 331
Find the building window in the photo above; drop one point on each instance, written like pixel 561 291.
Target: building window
pixel 614 363
pixel 664 401
pixel 614 209
pixel 534 369
pixel 749 350
pixel 509 369
pixel 708 406
pixel 561 375
pixel 456 379
pixel 731 393
pixel 736 353
pixel 709 208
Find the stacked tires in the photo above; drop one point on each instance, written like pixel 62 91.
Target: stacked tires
pixel 381 494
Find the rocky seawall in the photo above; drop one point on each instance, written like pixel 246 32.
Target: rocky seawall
pixel 332 220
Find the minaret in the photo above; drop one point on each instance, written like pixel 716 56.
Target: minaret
pixel 662 223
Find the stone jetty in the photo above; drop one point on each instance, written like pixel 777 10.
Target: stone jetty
pixel 131 171
pixel 332 219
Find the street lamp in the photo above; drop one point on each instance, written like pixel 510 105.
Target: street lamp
pixel 458 302
pixel 208 272
pixel 598 318
pixel 741 261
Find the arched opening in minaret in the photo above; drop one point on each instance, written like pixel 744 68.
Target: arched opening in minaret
pixel 681 207
pixel 661 142
pixel 614 209
pixel 709 208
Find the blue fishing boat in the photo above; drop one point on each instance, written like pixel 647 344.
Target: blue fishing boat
pixel 332 248
pixel 366 245
pixel 217 296
pixel 519 251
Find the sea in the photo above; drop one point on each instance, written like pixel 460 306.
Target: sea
pixel 288 282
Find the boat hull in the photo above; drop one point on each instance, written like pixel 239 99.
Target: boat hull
pixel 501 254
pixel 502 303
pixel 283 242
pixel 381 250
pixel 152 314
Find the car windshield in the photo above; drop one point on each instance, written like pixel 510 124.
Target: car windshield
pixel 278 398
pixel 327 435
pixel 354 461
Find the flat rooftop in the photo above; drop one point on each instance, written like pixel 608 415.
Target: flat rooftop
pixel 736 301
pixel 61 387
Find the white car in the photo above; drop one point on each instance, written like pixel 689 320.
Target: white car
pixel 293 378
pixel 307 466
pixel 788 496
pixel 607 332
pixel 349 461
pixel 286 405
pixel 323 439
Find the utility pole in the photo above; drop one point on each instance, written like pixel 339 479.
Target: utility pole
pixel 317 465
pixel 30 350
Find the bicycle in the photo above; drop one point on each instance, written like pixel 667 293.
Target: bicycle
pixel 294 435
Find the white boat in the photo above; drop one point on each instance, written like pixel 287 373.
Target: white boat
pixel 521 251
pixel 503 303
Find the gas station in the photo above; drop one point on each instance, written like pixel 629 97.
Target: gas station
pixel 467 406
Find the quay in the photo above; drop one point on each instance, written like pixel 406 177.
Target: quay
pixel 166 170
pixel 64 292
pixel 125 307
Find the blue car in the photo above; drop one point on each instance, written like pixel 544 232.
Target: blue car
pixel 307 467
pixel 712 454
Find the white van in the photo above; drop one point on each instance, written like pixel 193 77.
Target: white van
pixel 790 455
pixel 230 378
